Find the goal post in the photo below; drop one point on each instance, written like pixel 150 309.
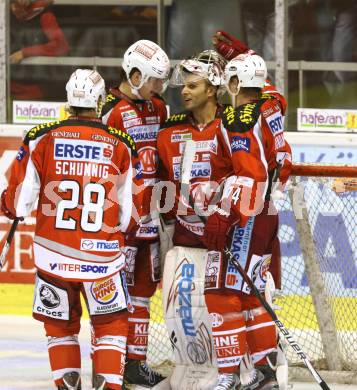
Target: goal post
pixel 320 279
pixel 318 228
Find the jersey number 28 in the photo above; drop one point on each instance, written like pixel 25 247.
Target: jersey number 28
pixel 92 212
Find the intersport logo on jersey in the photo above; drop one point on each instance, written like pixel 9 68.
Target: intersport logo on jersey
pixel 81 150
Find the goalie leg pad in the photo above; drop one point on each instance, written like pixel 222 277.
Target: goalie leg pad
pixel 187 318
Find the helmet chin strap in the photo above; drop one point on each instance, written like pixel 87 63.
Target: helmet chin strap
pixel 135 89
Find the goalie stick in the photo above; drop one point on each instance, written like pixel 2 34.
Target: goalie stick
pixel 187 161
pixel 8 241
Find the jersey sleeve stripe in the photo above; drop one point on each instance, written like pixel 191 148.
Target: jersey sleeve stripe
pixel 30 187
pixel 67 251
pixel 125 197
pixel 258 136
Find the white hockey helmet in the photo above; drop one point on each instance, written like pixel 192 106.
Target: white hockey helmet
pixel 149 59
pixel 207 65
pixel 250 69
pixel 84 89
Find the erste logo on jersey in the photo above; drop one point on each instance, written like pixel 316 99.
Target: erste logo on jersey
pixel 104 291
pixel 275 123
pixel 240 144
pixel 149 159
pixel 82 150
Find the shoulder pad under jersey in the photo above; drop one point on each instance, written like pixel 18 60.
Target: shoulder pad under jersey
pixel 175 119
pixel 124 137
pixel 110 103
pixel 243 118
pixel 39 130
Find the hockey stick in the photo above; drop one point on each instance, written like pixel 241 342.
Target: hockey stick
pixel 8 241
pixel 281 327
pixel 187 160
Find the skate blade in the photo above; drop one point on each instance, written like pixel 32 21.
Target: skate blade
pixel 163 385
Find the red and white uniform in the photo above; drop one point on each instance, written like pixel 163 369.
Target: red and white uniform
pixel 141 119
pixel 82 174
pixel 211 167
pixel 227 296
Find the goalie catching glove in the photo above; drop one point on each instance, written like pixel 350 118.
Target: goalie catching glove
pixel 228 46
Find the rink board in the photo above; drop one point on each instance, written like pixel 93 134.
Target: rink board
pixel 16 299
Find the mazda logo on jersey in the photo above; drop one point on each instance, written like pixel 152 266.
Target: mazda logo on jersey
pixel 87 244
pixel 149 159
pixel 104 291
pixel 49 297
pixel 99 245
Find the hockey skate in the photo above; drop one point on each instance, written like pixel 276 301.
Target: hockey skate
pixel 253 381
pixel 99 383
pixel 71 381
pixel 269 382
pixel 227 382
pixel 139 373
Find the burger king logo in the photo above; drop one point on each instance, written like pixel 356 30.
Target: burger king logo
pixel 104 291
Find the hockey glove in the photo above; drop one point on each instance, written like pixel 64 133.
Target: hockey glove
pixel 229 46
pixel 4 209
pixel 216 231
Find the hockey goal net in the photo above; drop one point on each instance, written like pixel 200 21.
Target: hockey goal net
pixel 318 303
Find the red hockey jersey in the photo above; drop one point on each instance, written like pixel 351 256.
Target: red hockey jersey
pixel 212 165
pixel 141 119
pixel 82 173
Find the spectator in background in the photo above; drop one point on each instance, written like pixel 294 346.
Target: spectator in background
pixel 336 21
pixel 191 25
pixel 34 32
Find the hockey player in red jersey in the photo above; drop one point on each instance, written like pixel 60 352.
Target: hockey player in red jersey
pixel 211 173
pixel 239 315
pixel 83 174
pixel 135 107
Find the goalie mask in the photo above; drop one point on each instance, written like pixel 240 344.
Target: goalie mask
pixel 250 69
pixel 150 60
pixel 86 88
pixel 208 65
